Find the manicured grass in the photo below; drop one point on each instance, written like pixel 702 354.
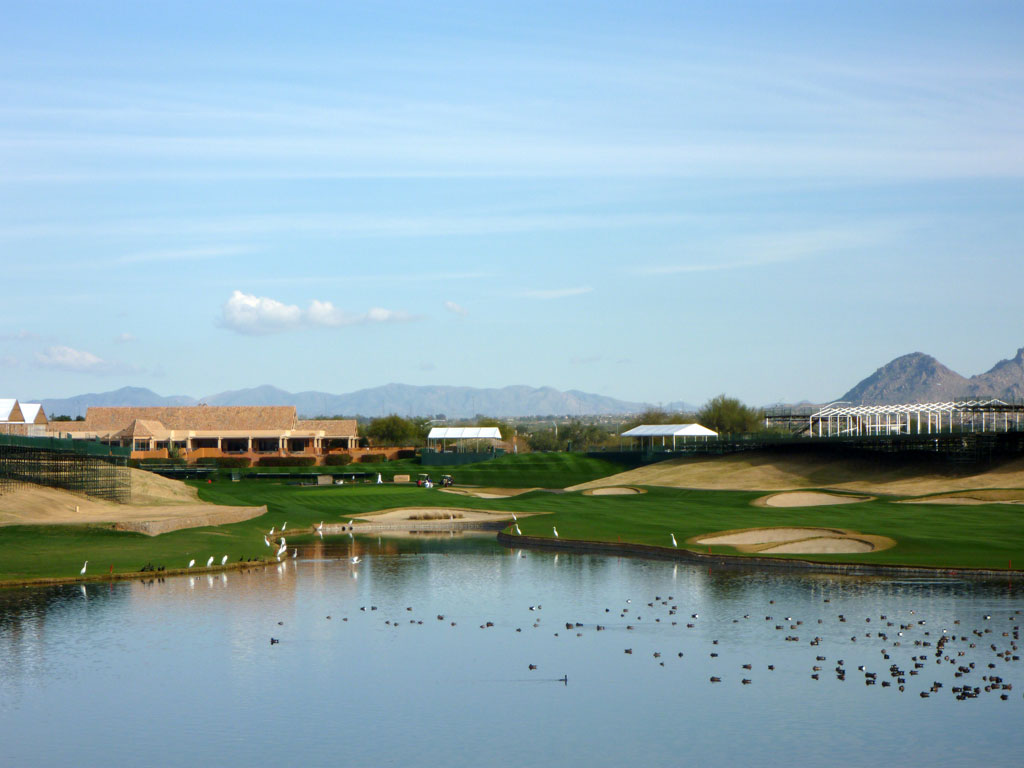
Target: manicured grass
pixel 981 536
pixel 950 536
pixel 528 470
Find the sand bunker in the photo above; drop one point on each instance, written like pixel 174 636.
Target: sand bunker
pixel 487 493
pixel 419 514
pixel 808 499
pixel 765 471
pixel 618 490
pixel 980 496
pixel 802 541
pixel 162 506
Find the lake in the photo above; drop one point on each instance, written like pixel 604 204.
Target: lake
pixel 420 654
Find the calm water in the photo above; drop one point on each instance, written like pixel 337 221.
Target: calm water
pixel 183 672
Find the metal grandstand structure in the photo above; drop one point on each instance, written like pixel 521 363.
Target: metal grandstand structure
pixel 845 420
pixel 72 465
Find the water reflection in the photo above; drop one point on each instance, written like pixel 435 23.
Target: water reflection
pixel 433 645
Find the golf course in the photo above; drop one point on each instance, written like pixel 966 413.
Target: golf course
pixel 807 508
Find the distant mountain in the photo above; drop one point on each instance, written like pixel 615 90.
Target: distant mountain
pixel 454 402
pixel 920 378
pixel 137 396
pixel 403 399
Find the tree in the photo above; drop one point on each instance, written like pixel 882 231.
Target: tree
pixel 391 430
pixel 656 416
pixel 728 415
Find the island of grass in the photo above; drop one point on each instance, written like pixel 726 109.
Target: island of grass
pixel 984 536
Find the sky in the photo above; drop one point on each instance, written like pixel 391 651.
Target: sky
pixel 652 201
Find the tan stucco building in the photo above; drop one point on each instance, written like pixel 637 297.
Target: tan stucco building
pixel 208 431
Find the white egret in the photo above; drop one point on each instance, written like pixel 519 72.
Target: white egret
pixel 281 551
pixel 673 540
pixel 355 560
pixel 83 568
pixel 295 552
pixel 514 518
pixel 518 532
pixel 319 527
pixel 266 541
pixel 224 560
pixel 209 562
pixel 283 541
pixel 271 530
pixel 555 530
pixel 191 562
pixel 284 526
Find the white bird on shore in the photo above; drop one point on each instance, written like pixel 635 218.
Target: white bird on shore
pixel 281 551
pixel 319 527
pixel 284 526
pixel 271 530
pixel 224 560
pixel 283 541
pixel 191 562
pixel 518 532
pixel 84 567
pixel 555 530
pixel 514 518
pixel 673 540
pixel 209 562
pixel 355 560
pixel 266 541
pixel 295 552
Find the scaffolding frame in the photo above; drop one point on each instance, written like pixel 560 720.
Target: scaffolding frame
pixel 71 465
pixel 844 420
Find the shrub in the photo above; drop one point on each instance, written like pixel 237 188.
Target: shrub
pixel 224 462
pixel 163 462
pixel 373 458
pixel 287 461
pixel 408 453
pixel 337 459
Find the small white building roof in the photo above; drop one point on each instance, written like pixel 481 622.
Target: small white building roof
pixel 9 410
pixel 30 412
pixel 669 430
pixel 464 433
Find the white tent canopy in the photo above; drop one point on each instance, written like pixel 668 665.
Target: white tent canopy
pixel 461 437
pixel 464 433
pixel 670 430
pixel 675 431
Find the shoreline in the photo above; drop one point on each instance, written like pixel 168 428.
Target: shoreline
pixel 49 581
pixel 743 562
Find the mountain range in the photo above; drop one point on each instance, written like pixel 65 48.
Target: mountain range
pixel 916 377
pixel 920 378
pixel 403 399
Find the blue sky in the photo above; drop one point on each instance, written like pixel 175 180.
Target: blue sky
pixel 655 201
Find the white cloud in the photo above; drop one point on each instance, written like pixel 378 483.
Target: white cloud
pixel 451 306
pixel 557 293
pixel 9 362
pixel 260 315
pixel 125 338
pixel 70 359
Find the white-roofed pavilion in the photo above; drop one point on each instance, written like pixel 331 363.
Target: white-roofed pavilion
pixel 653 432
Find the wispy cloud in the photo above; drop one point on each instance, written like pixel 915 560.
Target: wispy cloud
pixel 21 335
pixel 261 315
pixel 455 309
pixel 556 293
pixel 768 248
pixel 125 338
pixel 184 254
pixel 73 360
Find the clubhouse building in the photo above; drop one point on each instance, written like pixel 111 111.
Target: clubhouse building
pixel 208 431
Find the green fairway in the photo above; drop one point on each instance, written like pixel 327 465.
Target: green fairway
pixel 952 536
pixel 527 470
